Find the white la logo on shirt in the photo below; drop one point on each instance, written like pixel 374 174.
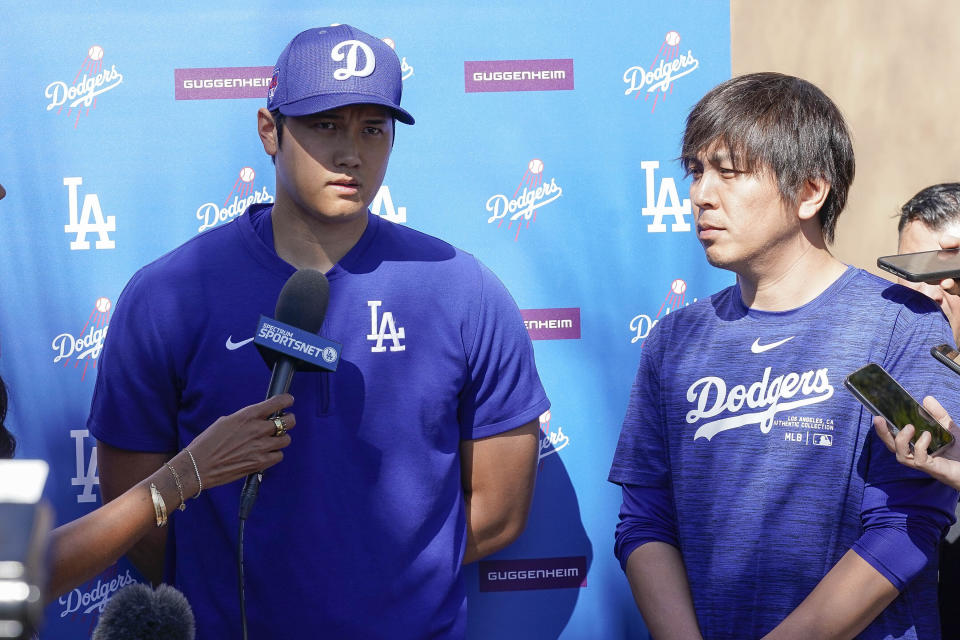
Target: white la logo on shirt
pixel 387 329
pixel 351 55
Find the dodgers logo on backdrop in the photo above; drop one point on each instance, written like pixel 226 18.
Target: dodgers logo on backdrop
pixel 383 206
pixel 550 441
pixel 664 201
pixel 87 343
pixel 90 81
pixel 667 67
pixel 531 194
pixel 274 80
pixel 242 195
pixel 93 596
pixel 641 324
pixel 86 476
pixel 80 222
pixel 347 50
pixel 406 71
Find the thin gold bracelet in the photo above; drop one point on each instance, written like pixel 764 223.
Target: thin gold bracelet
pixel 159 508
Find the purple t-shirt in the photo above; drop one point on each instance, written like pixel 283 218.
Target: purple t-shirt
pixel 771 467
pixel 360 531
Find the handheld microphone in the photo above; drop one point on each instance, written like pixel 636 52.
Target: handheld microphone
pixel 137 612
pixel 289 343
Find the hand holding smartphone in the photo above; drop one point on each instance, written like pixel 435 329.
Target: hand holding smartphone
pixel 947 355
pixel 924 266
pixel 884 397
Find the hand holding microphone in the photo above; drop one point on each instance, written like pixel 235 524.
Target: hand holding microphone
pixel 241 443
pixel 290 343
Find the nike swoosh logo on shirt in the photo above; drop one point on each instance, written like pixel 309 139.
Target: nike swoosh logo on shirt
pixel 756 347
pixel 231 345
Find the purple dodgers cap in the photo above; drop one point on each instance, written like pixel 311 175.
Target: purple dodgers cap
pixel 330 67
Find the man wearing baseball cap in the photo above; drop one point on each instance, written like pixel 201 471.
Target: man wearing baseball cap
pixel 417 455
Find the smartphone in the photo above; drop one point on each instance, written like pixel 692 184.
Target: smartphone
pixel 923 266
pixel 947 355
pixel 884 396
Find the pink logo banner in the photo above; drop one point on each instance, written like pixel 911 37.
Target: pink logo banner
pixel 552 324
pixel 518 75
pixel 535 573
pixel 222 83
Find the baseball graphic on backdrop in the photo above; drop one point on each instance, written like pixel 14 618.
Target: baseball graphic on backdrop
pixel 95 52
pixel 102 305
pixel 247 174
pixel 535 166
pixel 672 38
pixel 678 286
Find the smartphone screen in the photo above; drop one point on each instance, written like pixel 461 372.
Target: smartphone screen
pixel 947 355
pixel 923 266
pixel 884 396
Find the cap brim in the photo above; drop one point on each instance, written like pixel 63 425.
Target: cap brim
pixel 326 102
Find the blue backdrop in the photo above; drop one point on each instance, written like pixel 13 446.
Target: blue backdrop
pixel 545 144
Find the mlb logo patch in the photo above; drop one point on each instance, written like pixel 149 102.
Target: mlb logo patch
pixel 823 439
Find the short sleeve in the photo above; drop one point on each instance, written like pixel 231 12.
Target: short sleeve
pixel 135 398
pixel 641 457
pixel 503 390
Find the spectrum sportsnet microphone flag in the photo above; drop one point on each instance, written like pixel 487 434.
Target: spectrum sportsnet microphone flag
pixel 310 351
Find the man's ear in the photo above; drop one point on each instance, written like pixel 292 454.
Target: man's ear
pixel 267 129
pixel 813 193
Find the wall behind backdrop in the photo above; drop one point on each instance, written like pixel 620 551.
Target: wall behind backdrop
pixel 545 144
pixel 890 67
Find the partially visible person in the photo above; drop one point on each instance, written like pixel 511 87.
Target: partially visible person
pixel 231 448
pixel 930 220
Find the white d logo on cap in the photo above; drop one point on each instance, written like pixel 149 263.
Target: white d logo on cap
pixel 351 55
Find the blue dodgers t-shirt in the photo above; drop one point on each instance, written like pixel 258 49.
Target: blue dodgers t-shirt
pixel 742 416
pixel 360 531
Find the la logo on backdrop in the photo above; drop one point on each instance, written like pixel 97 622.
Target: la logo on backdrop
pixel 87 219
pixel 667 67
pixel 79 95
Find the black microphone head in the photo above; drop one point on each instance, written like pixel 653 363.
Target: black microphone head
pixel 137 612
pixel 303 300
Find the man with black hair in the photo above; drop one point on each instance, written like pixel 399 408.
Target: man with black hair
pixel 757 500
pixel 926 220
pixel 418 455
